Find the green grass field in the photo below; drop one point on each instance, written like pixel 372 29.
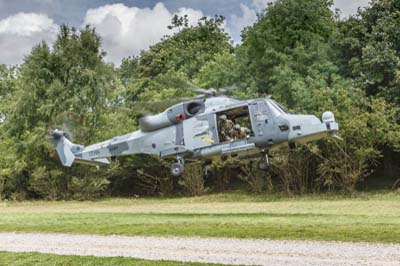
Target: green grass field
pixel 36 259
pixel 367 217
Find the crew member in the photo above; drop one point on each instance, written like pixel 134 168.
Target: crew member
pixel 239 132
pixel 226 126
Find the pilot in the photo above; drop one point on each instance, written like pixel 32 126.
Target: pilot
pixel 226 126
pixel 239 132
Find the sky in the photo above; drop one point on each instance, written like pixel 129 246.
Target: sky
pixel 126 26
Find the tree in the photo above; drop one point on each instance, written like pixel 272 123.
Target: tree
pixel 71 76
pixel 168 69
pixel 187 50
pixel 366 124
pixel 8 80
pixel 219 72
pixel 128 71
pixel 369 46
pixel 287 51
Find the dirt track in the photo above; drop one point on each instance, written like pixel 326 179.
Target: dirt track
pixel 217 250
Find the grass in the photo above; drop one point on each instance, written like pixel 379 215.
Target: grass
pixel 367 217
pixel 37 259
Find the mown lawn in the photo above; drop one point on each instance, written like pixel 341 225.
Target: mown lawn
pixel 367 217
pixel 37 259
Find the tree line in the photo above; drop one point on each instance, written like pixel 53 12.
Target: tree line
pixel 299 52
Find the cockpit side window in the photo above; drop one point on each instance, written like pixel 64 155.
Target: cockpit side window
pixel 276 109
pixel 280 107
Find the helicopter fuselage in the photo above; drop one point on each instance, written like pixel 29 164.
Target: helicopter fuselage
pixel 191 131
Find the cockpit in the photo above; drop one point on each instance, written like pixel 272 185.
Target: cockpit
pixel 276 108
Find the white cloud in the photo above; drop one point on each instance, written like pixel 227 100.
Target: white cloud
pixel 260 5
pixel 128 30
pixel 20 32
pixel 349 7
pixel 125 30
pixel 249 14
pixel 237 23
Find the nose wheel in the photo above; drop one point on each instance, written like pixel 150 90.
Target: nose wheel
pixel 264 164
pixel 178 168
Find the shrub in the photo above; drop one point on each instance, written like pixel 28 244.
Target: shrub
pixel 88 187
pixel 256 179
pixel 155 181
pixel 192 180
pixel 294 169
pixel 49 184
pixel 3 182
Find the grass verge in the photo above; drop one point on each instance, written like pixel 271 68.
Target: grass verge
pixel 38 259
pixel 369 218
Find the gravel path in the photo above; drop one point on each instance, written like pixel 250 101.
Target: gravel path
pixel 216 250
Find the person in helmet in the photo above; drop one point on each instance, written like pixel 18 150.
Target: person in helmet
pixel 225 128
pixel 239 132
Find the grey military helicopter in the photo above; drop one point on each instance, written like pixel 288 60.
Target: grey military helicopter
pixel 193 130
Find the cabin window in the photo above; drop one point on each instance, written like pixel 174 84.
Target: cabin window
pixel 234 124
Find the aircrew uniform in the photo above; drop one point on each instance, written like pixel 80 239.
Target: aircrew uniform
pixel 226 129
pixel 239 132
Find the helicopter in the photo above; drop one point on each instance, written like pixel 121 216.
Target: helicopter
pixel 193 130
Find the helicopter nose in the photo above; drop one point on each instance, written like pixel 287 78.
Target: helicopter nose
pixel 305 128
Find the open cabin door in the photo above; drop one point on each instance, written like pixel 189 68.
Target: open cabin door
pixel 200 131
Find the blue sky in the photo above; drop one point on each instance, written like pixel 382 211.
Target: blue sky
pixel 126 26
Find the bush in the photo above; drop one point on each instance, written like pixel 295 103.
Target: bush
pixel 155 181
pixel 192 180
pixel 295 169
pixel 257 180
pixel 88 187
pixel 3 182
pixel 222 172
pixel 50 184
pixel 366 125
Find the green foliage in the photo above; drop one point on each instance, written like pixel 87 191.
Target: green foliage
pixel 39 259
pixel 369 46
pixel 193 181
pixel 287 49
pixel 128 71
pixel 295 170
pixel 297 51
pixel 158 182
pixel 257 180
pixel 88 187
pixel 49 184
pixel 220 72
pixel 186 51
pixel 69 77
pixel 366 126
pixel 302 63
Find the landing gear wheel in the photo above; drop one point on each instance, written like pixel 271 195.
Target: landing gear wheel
pixel 177 169
pixel 263 165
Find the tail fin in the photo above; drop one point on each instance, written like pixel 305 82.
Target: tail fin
pixel 63 146
pixel 69 152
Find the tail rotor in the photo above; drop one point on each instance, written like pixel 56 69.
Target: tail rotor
pixel 65 127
